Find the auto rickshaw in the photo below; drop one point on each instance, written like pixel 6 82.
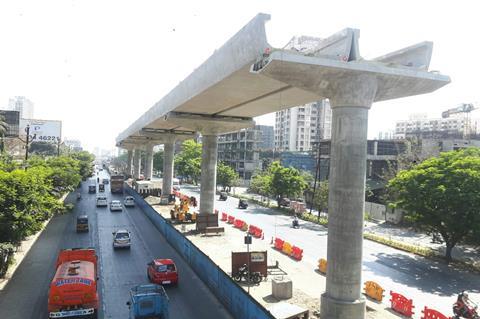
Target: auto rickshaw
pixel 242 204
pixel 223 196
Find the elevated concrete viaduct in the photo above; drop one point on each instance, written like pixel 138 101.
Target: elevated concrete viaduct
pixel 247 77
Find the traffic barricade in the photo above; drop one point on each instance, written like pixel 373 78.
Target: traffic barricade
pixel 251 229
pixel 258 232
pixel 231 219
pixel 297 253
pixel 244 226
pixel 322 265
pixel 432 314
pixel 401 304
pixel 287 248
pixel 278 244
pixel 224 217
pixel 238 223
pixel 374 290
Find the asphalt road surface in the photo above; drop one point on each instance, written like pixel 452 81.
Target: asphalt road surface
pixel 25 296
pixel 427 282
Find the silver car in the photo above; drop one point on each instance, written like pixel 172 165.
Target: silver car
pixel 121 239
pixel 129 201
pixel 116 205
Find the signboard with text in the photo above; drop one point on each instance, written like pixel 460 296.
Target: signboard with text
pixel 42 130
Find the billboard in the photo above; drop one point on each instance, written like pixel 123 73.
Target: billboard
pixel 12 119
pixel 42 130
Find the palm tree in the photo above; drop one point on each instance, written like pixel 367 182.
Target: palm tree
pixel 3 130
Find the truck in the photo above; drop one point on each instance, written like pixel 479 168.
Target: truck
pixel 73 289
pixel 116 183
pixel 148 301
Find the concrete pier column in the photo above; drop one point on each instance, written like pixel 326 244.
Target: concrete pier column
pixel 129 163
pixel 208 178
pixel 149 162
pixel 343 296
pixel 137 163
pixel 168 158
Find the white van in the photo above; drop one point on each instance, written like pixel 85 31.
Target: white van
pixel 102 201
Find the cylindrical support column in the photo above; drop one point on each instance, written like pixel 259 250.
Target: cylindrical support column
pixel 149 162
pixel 129 163
pixel 343 294
pixel 208 177
pixel 137 163
pixel 168 156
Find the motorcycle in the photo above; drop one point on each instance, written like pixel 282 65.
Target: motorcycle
pixel 469 313
pixel 242 204
pixel 79 196
pixel 243 272
pixel 295 223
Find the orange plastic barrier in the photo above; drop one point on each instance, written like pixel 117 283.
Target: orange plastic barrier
pixel 224 217
pixel 251 229
pixel 401 304
pixel 322 265
pixel 238 223
pixel 432 314
pixel 244 226
pixel 297 253
pixel 374 290
pixel 231 219
pixel 278 243
pixel 287 248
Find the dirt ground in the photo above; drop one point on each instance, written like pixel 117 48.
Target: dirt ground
pixel 308 283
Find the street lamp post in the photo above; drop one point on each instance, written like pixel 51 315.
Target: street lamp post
pixel 248 241
pixel 27 130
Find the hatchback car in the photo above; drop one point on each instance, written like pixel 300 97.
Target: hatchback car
pixel 162 272
pixel 82 223
pixel 102 201
pixel 129 201
pixel 121 238
pixel 116 205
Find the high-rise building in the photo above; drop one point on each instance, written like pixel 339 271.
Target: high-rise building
pixel 266 137
pixel 420 125
pixel 241 150
pixel 300 127
pixel 22 105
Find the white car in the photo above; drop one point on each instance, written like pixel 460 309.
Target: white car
pixel 121 239
pixel 116 205
pixel 129 201
pixel 102 201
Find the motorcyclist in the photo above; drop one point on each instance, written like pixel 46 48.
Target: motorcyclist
pixel 79 195
pixel 463 306
pixel 295 221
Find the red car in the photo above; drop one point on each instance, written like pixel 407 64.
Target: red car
pixel 162 272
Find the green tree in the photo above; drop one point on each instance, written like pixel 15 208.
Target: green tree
pixel 261 184
pixel 158 161
pixel 26 201
pixel 442 195
pixel 188 161
pixel 63 171
pixel 86 163
pixel 226 176
pixel 43 148
pixel 286 181
pixel 320 202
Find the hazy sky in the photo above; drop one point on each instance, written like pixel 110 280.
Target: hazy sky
pixel 98 65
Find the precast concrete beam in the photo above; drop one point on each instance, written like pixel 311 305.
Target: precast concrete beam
pixel 209 125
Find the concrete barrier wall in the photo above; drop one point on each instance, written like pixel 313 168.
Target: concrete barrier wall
pixel 229 293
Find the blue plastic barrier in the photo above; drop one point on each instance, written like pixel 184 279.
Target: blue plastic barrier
pixel 235 299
